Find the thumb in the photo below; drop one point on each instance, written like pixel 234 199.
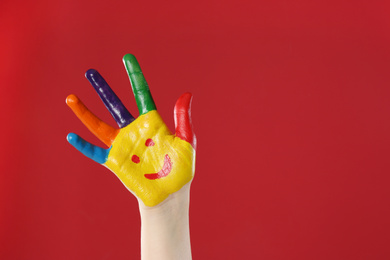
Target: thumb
pixel 183 122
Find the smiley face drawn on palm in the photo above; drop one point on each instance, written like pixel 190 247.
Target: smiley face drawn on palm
pixel 150 161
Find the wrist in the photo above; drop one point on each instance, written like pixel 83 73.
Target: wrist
pixel 173 204
pixel 165 227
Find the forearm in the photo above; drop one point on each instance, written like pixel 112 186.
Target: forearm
pixel 165 228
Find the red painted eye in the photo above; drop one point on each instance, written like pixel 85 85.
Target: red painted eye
pixel 149 142
pixel 135 159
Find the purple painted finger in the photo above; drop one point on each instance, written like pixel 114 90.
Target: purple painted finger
pixel 118 111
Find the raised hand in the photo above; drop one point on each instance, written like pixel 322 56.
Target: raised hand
pixel 149 160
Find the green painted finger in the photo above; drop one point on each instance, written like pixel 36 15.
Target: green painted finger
pixel 140 87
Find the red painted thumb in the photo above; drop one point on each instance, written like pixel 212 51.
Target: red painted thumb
pixel 183 122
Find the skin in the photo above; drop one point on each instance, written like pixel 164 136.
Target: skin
pixel 153 164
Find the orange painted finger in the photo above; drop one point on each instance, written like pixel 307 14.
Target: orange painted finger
pixel 100 129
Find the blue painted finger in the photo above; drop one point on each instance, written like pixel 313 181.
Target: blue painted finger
pixel 118 111
pixel 94 152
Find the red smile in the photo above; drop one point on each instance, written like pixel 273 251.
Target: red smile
pixel 165 170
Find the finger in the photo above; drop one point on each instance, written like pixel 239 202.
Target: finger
pixel 100 129
pixel 183 122
pixel 140 87
pixel 118 111
pixel 94 152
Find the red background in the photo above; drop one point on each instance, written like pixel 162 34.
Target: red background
pixel 291 110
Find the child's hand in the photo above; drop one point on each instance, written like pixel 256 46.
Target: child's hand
pixel 149 160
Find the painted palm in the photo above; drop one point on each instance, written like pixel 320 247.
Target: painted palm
pixel 149 160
